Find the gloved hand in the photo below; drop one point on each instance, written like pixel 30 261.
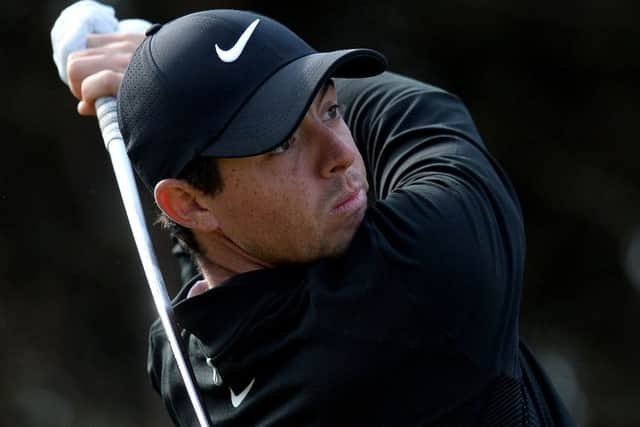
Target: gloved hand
pixel 91 50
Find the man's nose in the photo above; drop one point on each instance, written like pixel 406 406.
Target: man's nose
pixel 336 151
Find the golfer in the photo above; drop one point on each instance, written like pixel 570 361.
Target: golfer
pixel 360 252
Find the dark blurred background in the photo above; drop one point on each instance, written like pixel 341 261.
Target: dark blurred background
pixel 552 86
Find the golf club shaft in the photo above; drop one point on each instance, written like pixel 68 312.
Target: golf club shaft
pixel 107 116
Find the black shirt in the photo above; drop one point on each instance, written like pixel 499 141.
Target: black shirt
pixel 415 324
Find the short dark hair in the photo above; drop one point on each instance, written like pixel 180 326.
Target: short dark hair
pixel 201 173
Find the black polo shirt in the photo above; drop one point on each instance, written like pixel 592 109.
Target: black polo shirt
pixel 415 324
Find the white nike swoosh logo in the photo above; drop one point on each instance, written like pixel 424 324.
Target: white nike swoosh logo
pixel 234 53
pixel 237 400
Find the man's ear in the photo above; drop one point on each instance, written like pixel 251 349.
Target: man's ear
pixel 183 204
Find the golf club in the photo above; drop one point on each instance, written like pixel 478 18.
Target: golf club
pixel 69 34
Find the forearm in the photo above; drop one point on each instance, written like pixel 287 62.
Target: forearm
pixel 442 202
pixel 394 118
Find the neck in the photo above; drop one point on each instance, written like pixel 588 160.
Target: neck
pixel 214 273
pixel 222 259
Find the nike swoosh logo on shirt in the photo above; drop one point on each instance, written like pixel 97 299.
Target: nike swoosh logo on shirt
pixel 234 53
pixel 237 400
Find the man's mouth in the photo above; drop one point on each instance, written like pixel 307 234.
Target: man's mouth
pixel 350 202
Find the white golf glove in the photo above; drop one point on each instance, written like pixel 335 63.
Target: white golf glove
pixel 69 33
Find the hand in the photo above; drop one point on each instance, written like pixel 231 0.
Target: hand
pixel 98 70
pixel 91 49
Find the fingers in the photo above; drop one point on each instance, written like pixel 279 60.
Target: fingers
pixel 84 65
pixel 97 71
pixel 102 83
pixel 99 40
pixel 86 109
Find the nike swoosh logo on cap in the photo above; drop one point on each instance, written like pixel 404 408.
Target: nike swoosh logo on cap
pixel 237 400
pixel 234 53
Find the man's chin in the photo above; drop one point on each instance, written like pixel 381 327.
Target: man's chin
pixel 340 244
pixel 326 244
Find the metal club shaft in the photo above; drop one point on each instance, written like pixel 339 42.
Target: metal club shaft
pixel 107 116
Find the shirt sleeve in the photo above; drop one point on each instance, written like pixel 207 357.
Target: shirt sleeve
pixel 446 218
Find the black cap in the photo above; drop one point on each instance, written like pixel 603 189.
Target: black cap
pixel 222 83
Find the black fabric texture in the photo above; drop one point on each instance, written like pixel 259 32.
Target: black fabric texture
pixel 415 324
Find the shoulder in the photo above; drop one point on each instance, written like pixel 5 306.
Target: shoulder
pixel 388 105
pixel 384 82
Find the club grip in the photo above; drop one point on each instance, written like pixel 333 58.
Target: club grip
pixel 107 112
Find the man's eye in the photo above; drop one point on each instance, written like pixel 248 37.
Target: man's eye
pixel 334 111
pixel 283 147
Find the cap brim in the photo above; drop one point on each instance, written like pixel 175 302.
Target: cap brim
pixel 280 103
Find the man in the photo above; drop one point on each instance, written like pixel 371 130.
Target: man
pixel 363 269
